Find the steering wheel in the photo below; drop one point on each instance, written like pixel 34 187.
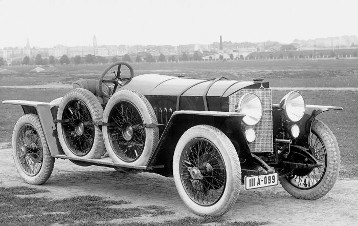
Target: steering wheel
pixel 116 80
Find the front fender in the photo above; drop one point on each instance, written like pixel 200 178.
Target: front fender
pixel 311 112
pixel 181 121
pixel 318 109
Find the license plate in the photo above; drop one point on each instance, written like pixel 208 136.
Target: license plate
pixel 261 181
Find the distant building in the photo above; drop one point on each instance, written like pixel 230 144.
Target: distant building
pixel 58 51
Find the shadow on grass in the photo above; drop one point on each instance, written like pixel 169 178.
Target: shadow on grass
pixel 18 208
pixel 82 210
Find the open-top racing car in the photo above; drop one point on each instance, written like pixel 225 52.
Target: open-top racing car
pixel 214 137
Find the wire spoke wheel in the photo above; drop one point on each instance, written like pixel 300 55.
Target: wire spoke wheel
pixel 29 150
pixel 315 183
pixel 202 172
pixel 126 131
pixel 206 170
pixel 78 127
pixel 32 157
pixel 127 138
pixel 314 176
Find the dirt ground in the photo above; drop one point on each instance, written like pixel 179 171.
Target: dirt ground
pixel 272 205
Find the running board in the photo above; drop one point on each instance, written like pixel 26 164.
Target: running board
pixel 107 161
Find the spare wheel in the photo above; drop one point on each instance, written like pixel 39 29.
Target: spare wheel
pixel 130 128
pixel 77 125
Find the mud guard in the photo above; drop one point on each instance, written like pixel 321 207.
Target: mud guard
pixel 318 109
pixel 179 122
pixel 314 110
pixel 43 111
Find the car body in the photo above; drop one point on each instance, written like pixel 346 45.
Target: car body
pixel 212 136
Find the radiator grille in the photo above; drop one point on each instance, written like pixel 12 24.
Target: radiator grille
pixel 263 129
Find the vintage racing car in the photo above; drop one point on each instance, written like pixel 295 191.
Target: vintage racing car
pixel 214 137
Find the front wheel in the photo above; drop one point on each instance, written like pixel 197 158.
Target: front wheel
pixel 31 154
pixel 206 170
pixel 320 180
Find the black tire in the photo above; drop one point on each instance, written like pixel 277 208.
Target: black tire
pixel 127 138
pixel 32 158
pixel 78 132
pixel 207 190
pixel 321 179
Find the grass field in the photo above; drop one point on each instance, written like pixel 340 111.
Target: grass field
pixel 20 207
pixel 322 73
pixel 300 73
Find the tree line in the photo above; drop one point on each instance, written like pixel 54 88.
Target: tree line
pixel 92 59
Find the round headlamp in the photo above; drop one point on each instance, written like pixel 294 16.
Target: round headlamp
pixel 294 106
pixel 250 106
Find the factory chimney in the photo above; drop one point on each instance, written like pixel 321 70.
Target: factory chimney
pixel 221 43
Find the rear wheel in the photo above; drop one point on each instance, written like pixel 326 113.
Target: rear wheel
pixel 207 171
pixel 316 183
pixel 31 154
pixel 77 128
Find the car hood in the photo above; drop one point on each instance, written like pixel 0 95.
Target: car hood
pixel 154 84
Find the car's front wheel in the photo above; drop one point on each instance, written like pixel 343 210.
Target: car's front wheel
pixel 206 170
pixel 320 180
pixel 31 154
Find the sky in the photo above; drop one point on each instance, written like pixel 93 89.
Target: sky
pixel 172 22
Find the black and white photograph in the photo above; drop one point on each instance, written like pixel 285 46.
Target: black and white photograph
pixel 178 112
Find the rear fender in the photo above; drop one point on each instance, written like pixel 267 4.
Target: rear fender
pixel 46 113
pixel 181 121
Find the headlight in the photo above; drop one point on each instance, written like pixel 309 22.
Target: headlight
pixel 250 106
pixel 294 106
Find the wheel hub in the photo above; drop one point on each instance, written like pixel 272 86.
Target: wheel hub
pixel 195 173
pixel 80 129
pixel 31 153
pixel 127 133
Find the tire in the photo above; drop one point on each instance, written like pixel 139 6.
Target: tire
pixel 127 139
pixel 32 158
pixel 190 180
pixel 307 186
pixel 78 132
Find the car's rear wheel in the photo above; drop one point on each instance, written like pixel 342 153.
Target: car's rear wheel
pixel 206 170
pixel 31 154
pixel 319 181
pixel 78 116
pixel 130 128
